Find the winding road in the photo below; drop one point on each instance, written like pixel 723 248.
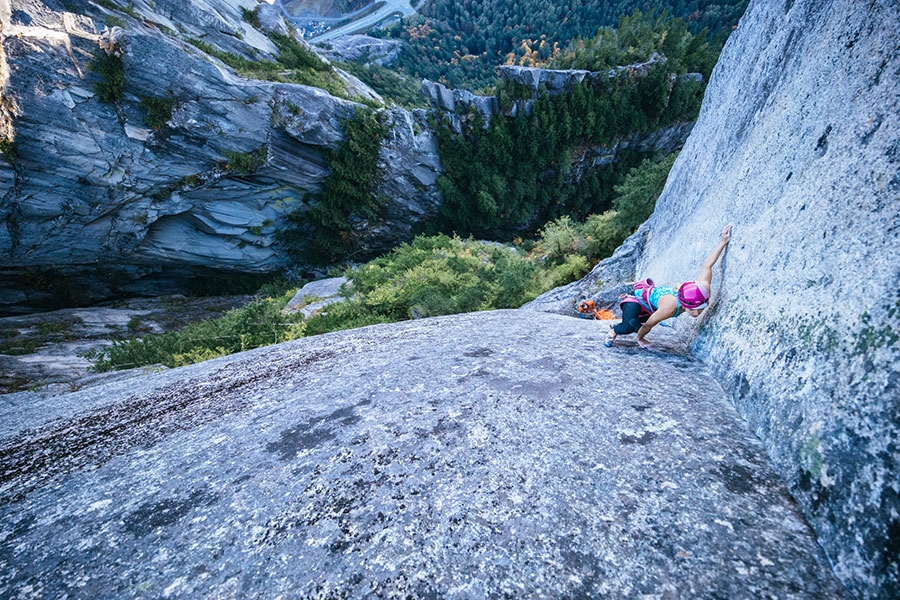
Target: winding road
pixel 401 8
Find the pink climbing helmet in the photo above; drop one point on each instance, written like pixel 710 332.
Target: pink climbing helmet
pixel 692 295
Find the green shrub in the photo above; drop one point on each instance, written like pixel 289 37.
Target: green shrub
pixel 347 192
pixel 248 68
pixel 20 345
pixel 111 69
pixel 245 163
pixel 603 234
pixel 251 17
pixel 388 83
pixel 341 316
pixel 259 323
pixel 560 238
pixel 127 8
pixel 159 111
pixel 592 240
pixel 434 276
pixel 637 195
pixel 294 55
pixel 294 64
pixel 278 287
pixel 9 151
pixel 574 266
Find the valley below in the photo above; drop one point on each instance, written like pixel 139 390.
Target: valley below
pixel 44 352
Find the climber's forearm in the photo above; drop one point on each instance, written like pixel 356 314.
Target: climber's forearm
pixel 661 314
pixel 705 277
pixel 714 255
pixel 643 331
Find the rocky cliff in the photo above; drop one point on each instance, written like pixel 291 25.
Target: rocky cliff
pixel 93 195
pixel 797 145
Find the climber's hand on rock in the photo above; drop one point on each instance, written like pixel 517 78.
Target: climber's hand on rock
pixel 726 234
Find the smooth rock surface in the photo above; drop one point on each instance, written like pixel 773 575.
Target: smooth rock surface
pixel 456 457
pixel 316 295
pixel 797 145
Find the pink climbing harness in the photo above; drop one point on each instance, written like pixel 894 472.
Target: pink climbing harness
pixel 641 295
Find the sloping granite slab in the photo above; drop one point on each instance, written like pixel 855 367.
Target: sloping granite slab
pixel 499 454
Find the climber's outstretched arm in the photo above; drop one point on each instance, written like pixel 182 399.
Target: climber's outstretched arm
pixel 705 277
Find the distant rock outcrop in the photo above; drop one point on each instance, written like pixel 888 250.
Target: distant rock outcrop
pixel 316 295
pixel 559 80
pixel 797 145
pixel 457 106
pixel 458 103
pixel 95 201
pixel 361 48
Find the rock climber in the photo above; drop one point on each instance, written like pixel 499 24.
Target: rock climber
pixel 651 304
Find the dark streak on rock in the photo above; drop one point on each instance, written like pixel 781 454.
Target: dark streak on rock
pixel 153 515
pixel 478 353
pixel 38 455
pixel 643 440
pixel 876 125
pixel 314 432
pixel 822 143
pixel 737 479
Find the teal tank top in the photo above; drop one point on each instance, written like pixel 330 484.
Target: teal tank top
pixel 657 292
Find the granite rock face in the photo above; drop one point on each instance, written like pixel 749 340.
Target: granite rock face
pixel 661 142
pixel 458 457
pixel 559 80
pixel 97 197
pixel 411 164
pixel 456 107
pixel 797 146
pixel 457 104
pixel 361 48
pixel 316 295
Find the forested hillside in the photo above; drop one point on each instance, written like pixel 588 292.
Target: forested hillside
pixel 512 176
pixel 460 42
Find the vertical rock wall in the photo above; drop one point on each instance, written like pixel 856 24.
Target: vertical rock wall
pixel 798 145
